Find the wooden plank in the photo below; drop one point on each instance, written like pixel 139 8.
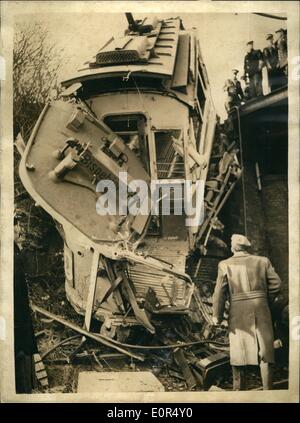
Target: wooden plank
pixel 180 76
pixel 193 60
pixel 204 126
pixel 182 362
pixel 216 202
pixel 92 289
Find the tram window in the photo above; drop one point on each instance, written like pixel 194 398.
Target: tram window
pixel 169 161
pixel 123 123
pixel 131 128
pixel 200 94
pixel 201 73
pixel 97 86
pixel 170 222
pixel 197 124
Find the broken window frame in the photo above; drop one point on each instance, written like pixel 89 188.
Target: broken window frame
pixel 200 88
pixel 153 162
pixel 145 154
pixel 168 129
pixel 196 114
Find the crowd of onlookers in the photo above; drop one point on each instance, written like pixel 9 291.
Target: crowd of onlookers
pixel 273 57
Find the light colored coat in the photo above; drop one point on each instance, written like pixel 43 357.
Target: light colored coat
pixel 250 282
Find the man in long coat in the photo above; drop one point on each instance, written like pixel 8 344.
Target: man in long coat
pixel 251 284
pixel 270 54
pixel 253 64
pixel 281 45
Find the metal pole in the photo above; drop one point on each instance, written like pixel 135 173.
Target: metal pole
pixel 96 337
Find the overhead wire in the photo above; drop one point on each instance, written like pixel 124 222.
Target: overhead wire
pixel 139 93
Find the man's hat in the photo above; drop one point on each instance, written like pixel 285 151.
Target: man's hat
pixel 235 71
pixel 269 37
pixel 239 242
pixel 250 42
pixel 280 30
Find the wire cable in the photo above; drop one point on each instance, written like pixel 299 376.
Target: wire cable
pixel 243 173
pixel 139 93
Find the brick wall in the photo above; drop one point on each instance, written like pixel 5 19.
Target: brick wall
pixel 266 217
pixel 275 204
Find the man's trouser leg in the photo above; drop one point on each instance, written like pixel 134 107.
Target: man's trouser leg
pixel 258 84
pixel 272 80
pixel 239 378
pixel 266 372
pixel 252 91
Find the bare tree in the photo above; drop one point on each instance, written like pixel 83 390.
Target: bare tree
pixel 36 62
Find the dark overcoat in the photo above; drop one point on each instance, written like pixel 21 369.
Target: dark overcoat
pixel 271 57
pixel 251 283
pixel 252 62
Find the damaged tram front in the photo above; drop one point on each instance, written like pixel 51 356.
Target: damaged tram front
pixel 142 106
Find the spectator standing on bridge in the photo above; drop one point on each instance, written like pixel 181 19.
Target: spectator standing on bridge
pixel 253 64
pixel 237 84
pixel 234 91
pixel 246 88
pixel 281 45
pixel 270 54
pixel 252 285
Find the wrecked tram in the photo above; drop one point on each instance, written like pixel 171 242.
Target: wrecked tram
pixel 143 106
